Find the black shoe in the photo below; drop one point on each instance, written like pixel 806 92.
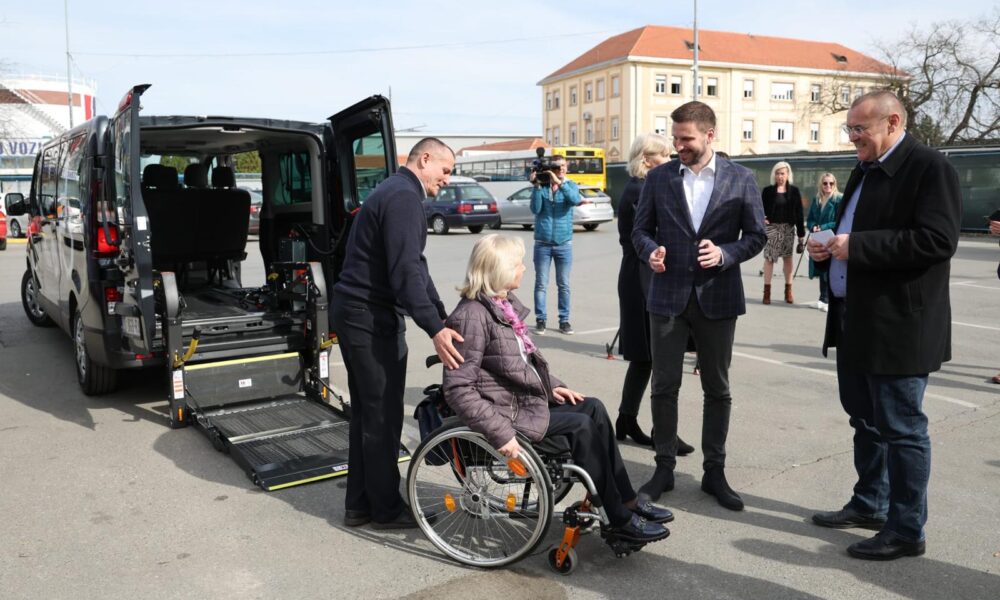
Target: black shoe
pixel 629 426
pixel 885 546
pixel 683 448
pixel 404 520
pixel 637 530
pixel 846 518
pixel 539 326
pixel 356 518
pixel 566 328
pixel 651 512
pixel 662 481
pixel 714 483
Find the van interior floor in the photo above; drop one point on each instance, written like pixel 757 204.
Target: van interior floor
pixel 215 302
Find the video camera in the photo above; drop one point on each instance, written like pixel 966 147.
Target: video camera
pixel 542 166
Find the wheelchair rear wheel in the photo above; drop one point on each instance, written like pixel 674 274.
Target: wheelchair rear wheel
pixel 474 504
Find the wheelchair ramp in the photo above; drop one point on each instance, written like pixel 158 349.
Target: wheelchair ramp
pixel 283 442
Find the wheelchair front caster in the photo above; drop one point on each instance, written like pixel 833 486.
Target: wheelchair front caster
pixel 568 564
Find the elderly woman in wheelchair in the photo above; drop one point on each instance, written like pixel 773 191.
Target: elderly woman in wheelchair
pixel 483 485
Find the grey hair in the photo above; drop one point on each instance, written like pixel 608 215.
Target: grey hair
pixel 492 266
pixel 888 103
pixel 782 165
pixel 646 144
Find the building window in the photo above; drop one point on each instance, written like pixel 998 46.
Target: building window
pixel 588 92
pixel 661 126
pixel 814 133
pixel 615 86
pixel 572 134
pixel 555 99
pixel 548 135
pixel 845 94
pixel 599 130
pixel 781 131
pixel 845 138
pixel 548 101
pixel 747 130
pixel 713 87
pixel 661 84
pixel 614 128
pixel 600 89
pixel 815 93
pixel 555 136
pixel 858 92
pixel 572 95
pixel 782 91
pixel 748 89
pixel 675 85
pixel 589 133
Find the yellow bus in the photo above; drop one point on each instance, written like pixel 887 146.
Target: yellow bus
pixel 586 166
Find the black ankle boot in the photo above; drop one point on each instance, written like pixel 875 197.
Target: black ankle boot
pixel 629 426
pixel 683 448
pixel 662 481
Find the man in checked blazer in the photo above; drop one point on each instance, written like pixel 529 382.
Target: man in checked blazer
pixel 699 216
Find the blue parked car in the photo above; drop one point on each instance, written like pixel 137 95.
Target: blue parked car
pixel 461 203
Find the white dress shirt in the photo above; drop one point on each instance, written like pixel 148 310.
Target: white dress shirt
pixel 698 190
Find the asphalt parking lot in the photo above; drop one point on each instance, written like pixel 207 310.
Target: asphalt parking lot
pixel 102 500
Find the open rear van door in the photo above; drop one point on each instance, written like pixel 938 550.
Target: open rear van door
pixel 135 258
pixel 362 148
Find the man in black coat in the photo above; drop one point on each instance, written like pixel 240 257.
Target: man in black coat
pixel 889 318
pixel 385 274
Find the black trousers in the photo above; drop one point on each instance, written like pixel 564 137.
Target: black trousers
pixel 374 349
pixel 592 442
pixel 714 340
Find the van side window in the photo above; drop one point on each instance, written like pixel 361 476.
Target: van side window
pixel 294 179
pixel 49 177
pixel 69 177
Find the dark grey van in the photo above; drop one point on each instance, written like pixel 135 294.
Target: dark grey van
pixel 144 271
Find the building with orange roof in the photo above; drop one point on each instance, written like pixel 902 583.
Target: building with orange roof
pixel 770 94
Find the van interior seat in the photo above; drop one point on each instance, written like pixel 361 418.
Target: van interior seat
pixel 169 213
pixel 195 176
pixel 223 216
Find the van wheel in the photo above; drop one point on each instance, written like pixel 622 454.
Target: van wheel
pixel 476 228
pixel 29 299
pixel 15 229
pixel 438 225
pixel 94 379
pixel 590 226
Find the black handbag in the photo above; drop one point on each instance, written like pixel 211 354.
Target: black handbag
pixel 430 414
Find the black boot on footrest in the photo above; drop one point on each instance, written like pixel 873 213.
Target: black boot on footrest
pixel 637 530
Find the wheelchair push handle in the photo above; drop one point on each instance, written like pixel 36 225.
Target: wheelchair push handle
pixel 432 360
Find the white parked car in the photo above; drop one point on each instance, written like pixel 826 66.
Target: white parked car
pixel 595 209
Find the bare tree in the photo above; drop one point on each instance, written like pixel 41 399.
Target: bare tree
pixel 948 77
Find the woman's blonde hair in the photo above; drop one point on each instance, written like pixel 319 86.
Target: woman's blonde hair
pixel 819 187
pixel 492 266
pixel 782 165
pixel 646 144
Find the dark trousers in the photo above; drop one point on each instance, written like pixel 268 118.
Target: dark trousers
pixel 374 351
pixel 592 441
pixel 636 380
pixel 892 448
pixel 714 340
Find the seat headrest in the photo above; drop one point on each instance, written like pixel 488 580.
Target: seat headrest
pixel 196 176
pixel 223 177
pixel 159 176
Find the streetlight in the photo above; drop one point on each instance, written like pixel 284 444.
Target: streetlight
pixel 694 88
pixel 69 73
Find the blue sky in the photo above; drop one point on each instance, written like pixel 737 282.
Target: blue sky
pixel 450 67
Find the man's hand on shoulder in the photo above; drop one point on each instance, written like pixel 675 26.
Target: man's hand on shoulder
pixel 444 345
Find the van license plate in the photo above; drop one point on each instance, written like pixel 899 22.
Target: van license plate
pixel 131 326
pixel 480 207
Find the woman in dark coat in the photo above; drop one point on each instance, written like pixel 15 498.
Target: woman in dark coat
pixel 504 387
pixel 648 151
pixel 783 218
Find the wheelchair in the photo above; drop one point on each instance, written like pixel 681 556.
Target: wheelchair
pixel 486 510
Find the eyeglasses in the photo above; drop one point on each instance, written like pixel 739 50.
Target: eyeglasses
pixel 859 129
pixel 829 183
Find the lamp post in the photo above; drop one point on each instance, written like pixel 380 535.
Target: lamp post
pixel 69 73
pixel 694 87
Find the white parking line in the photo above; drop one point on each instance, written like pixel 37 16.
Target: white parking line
pixel 971 284
pixel 976 326
pixel 834 374
pixel 590 331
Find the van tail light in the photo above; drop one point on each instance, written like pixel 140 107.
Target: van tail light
pixel 107 239
pixel 464 209
pixel 104 228
pixel 112 296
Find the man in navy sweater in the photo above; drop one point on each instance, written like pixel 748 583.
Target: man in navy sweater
pixel 384 275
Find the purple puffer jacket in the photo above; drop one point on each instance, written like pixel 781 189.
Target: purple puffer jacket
pixel 495 392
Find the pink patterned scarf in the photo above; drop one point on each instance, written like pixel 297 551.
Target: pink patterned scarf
pixel 520 329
